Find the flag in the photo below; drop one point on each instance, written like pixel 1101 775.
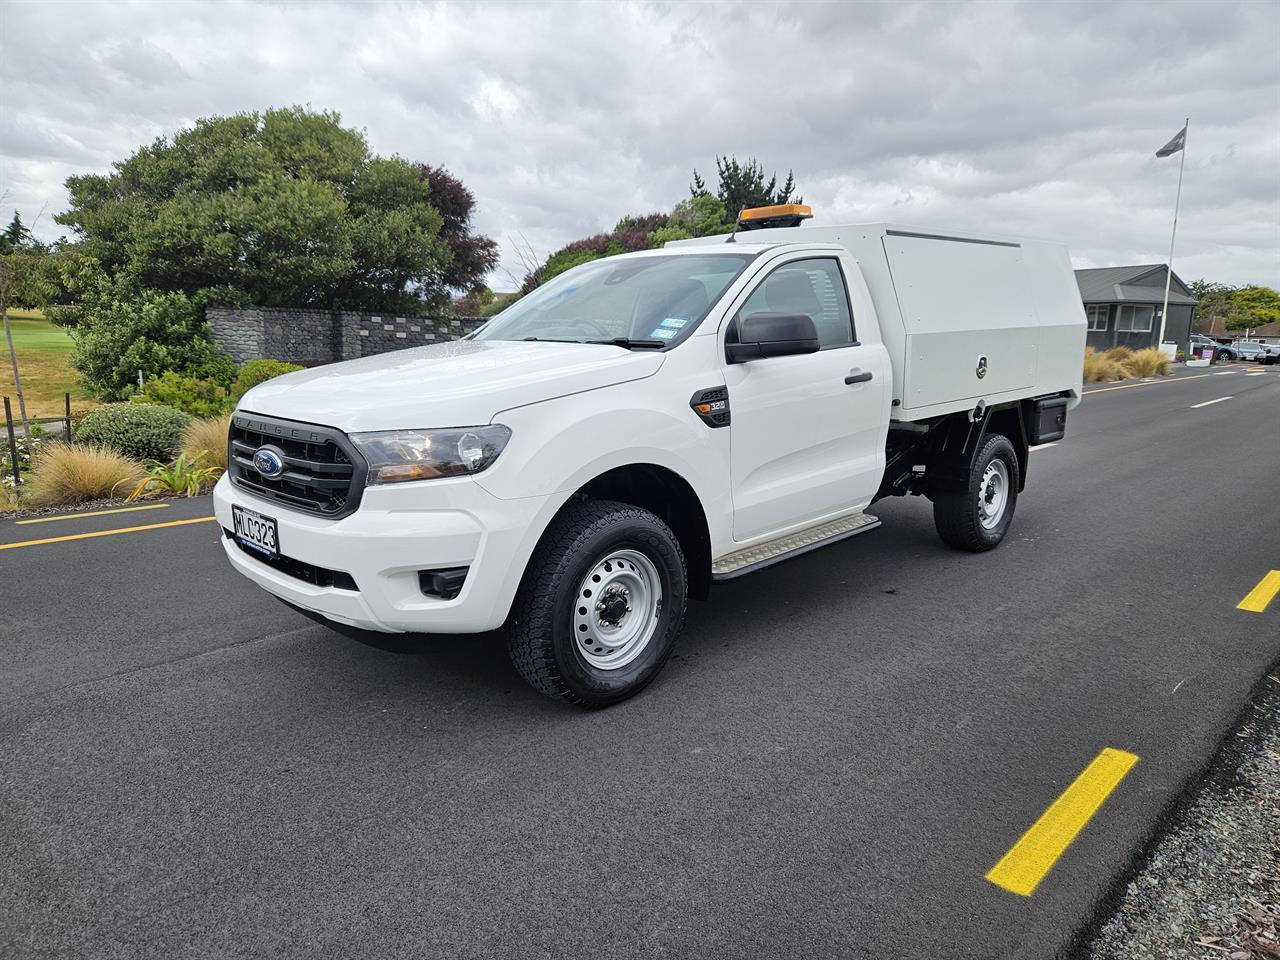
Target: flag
pixel 1174 145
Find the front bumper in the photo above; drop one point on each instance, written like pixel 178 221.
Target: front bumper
pixel 399 530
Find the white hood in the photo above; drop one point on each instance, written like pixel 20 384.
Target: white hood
pixel 462 383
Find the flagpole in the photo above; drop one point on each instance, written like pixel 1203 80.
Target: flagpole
pixel 1168 277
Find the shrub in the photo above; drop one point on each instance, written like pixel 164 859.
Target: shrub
pixel 144 431
pixel 206 440
pixel 200 398
pixel 28 448
pixel 1097 367
pixel 121 334
pixel 258 371
pixel 664 234
pixel 1119 354
pixel 185 475
pixel 71 473
pixel 1148 363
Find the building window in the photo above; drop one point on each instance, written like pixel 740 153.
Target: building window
pixel 1097 315
pixel 1135 319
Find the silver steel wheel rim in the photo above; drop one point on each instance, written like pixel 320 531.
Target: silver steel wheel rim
pixel 616 611
pixel 993 494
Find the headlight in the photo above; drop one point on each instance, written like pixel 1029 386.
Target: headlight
pixel 398 455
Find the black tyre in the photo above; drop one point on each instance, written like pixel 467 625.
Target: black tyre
pixel 1224 356
pixel 978 517
pixel 601 604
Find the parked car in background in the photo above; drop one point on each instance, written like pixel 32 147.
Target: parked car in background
pixel 1270 353
pixel 1248 349
pixel 1222 353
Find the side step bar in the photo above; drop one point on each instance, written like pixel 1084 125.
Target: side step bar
pixel 766 554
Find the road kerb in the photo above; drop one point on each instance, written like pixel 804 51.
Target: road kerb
pixel 1033 856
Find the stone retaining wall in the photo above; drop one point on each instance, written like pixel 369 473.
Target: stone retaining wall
pixel 313 337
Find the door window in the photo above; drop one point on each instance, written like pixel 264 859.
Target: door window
pixel 814 288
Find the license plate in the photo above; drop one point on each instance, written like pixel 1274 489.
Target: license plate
pixel 256 531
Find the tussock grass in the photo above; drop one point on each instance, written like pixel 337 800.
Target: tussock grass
pixel 1100 367
pixel 1148 363
pixel 70 473
pixel 1121 363
pixel 207 440
pixel 1119 355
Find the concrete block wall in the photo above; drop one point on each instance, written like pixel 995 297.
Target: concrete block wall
pixel 313 337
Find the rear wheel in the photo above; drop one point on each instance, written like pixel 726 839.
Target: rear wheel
pixel 601 604
pixel 977 517
pixel 1224 356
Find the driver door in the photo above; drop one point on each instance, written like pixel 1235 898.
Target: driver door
pixel 807 431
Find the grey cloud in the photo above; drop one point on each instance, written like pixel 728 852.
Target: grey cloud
pixel 1033 118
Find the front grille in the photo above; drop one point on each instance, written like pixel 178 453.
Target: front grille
pixel 323 473
pixel 298 569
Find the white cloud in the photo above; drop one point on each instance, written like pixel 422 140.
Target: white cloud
pixel 1040 119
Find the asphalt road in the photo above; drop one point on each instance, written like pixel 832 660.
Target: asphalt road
pixel 842 748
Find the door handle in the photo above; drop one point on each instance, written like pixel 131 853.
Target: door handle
pixel 858 376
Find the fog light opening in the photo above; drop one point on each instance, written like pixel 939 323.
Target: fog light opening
pixel 445 584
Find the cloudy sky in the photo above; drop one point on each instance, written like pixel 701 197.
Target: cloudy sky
pixel 1038 119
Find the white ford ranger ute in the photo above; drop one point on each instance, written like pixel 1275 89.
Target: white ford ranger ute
pixel 647 424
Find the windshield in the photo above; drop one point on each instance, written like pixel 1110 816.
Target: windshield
pixel 650 300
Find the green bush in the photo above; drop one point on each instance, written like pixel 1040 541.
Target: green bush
pixel 142 431
pixel 664 234
pixel 200 398
pixel 121 334
pixel 258 371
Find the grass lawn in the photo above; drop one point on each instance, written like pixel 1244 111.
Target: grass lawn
pixel 44 354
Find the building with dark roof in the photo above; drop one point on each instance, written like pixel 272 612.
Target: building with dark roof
pixel 1123 306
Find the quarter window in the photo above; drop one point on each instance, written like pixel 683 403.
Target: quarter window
pixel 814 288
pixel 1097 315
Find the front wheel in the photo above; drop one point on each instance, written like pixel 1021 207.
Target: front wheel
pixel 1224 356
pixel 601 604
pixel 978 517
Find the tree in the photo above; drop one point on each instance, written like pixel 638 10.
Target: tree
pixel 1252 306
pixel 27 279
pixel 1212 300
pixel 1238 308
pixel 742 185
pixel 473 255
pixel 16 236
pixel 701 215
pixel 285 208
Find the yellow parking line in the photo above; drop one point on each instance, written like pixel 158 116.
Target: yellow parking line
pixel 1033 856
pixel 102 533
pixel 1257 599
pixel 93 513
pixel 1130 386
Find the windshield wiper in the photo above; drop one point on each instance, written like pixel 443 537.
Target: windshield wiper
pixel 630 344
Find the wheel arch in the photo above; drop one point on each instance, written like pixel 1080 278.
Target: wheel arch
pixel 666 494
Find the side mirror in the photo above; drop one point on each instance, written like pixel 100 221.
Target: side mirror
pixel 772 335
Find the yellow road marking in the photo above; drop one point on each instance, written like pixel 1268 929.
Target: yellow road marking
pixel 93 513
pixel 102 533
pixel 1033 856
pixel 1257 599
pixel 1130 386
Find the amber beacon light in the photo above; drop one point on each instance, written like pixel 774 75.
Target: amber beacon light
pixel 778 215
